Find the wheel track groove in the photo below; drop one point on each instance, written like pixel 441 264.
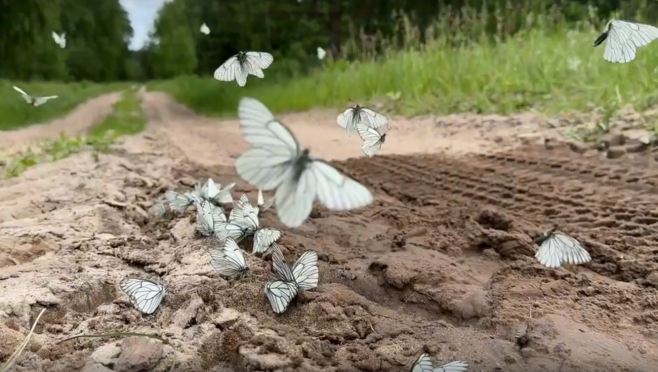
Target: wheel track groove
pixel 619 225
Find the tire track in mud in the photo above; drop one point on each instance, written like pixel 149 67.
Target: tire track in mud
pixel 617 221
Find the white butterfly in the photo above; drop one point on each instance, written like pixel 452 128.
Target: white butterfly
pixel 34 101
pixel 372 139
pixel 145 294
pixel 242 221
pixel 242 65
pixel 180 202
pixel 321 53
pixel 228 259
pixel 211 191
pixel 210 219
pixel 304 272
pixel 278 162
pixel 623 39
pixel 60 39
pixel 424 364
pixel 349 118
pixel 558 248
pixel 280 293
pixel 262 204
pixel 204 29
pixel 264 238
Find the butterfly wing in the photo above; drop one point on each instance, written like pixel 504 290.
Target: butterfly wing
pixel 371 139
pixel 210 189
pixel 422 364
pixel 624 38
pixel 321 53
pixel 205 219
pixel 294 200
pixel 264 238
pixel 268 164
pixel 178 202
pixel 262 204
pixel 372 118
pixel 348 119
pixel 228 259
pixel 280 294
pixel 26 96
pixel 305 271
pixel 41 100
pixel 204 29
pixel 280 265
pixel 559 248
pixel 231 70
pixel 336 191
pixel 144 294
pixel 260 60
pixel 224 196
pixel 457 366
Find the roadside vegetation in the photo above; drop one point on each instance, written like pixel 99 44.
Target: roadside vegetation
pixel 126 119
pixel 544 62
pixel 15 112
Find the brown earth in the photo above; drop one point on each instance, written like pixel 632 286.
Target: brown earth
pixel 442 260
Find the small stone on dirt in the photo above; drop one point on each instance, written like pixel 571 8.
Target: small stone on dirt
pixel 138 354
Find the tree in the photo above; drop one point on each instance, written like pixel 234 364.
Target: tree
pixel 173 50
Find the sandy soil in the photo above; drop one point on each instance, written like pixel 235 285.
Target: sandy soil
pixel 442 261
pixel 82 118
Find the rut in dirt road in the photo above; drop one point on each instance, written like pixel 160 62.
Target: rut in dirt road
pixel 609 207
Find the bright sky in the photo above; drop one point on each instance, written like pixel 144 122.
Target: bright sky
pixel 142 14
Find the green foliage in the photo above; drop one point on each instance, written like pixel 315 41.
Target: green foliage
pixel 547 65
pixel 126 119
pixel 16 113
pixel 173 53
pixel 97 34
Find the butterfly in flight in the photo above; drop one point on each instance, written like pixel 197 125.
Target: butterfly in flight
pixel 623 38
pixel 34 101
pixel 277 161
pixel 243 64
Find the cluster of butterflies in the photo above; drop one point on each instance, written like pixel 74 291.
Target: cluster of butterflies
pixel 226 257
pixel 370 125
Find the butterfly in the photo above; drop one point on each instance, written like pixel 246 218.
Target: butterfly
pixel 303 276
pixel 211 191
pixel 623 39
pixel 264 238
pixel 280 293
pixel 209 218
pixel 304 273
pixel 243 64
pixel 242 221
pixel 372 139
pixel 277 161
pixel 228 259
pixel 262 204
pixel 204 29
pixel 144 294
pixel 557 248
pixel 60 39
pixel 178 202
pixel 321 53
pixel 349 118
pixel 424 364
pixel 34 101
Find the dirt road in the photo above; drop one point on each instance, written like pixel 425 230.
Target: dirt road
pixel 442 260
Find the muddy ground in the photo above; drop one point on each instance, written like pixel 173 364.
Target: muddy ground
pixel 441 261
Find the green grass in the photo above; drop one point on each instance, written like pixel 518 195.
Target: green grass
pixel 16 113
pixel 548 70
pixel 126 119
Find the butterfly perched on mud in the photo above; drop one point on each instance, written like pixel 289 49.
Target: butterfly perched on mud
pixel 557 248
